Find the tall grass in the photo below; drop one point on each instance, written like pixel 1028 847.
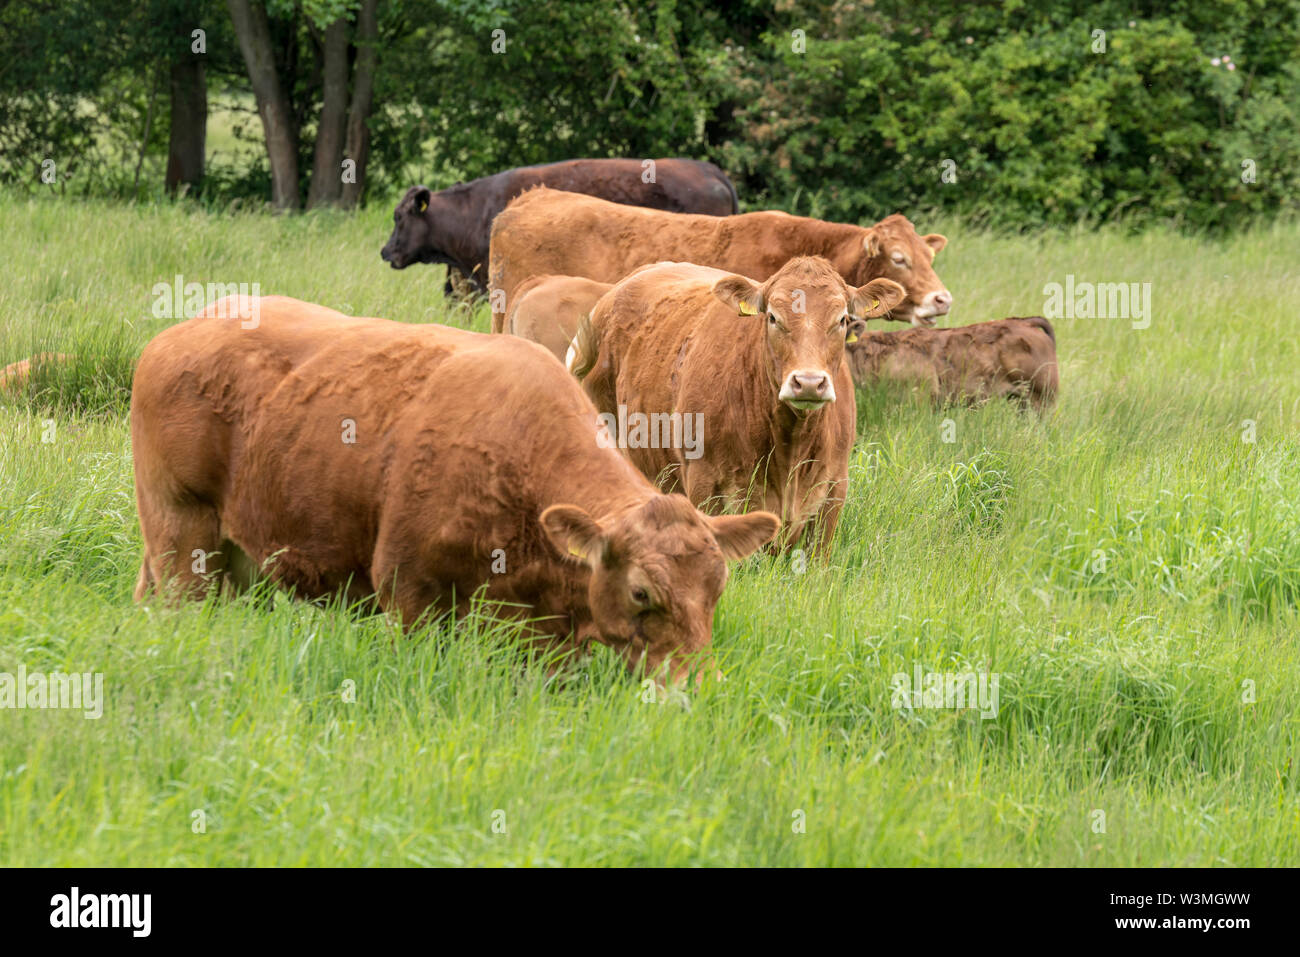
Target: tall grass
pixel 1129 566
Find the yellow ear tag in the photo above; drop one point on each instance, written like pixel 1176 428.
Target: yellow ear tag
pixel 875 303
pixel 852 338
pixel 577 552
pixel 747 310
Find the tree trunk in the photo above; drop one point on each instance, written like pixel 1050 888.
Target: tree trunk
pixel 327 164
pixel 254 33
pixel 189 123
pixel 357 147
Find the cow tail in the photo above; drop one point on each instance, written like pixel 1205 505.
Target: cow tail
pixel 582 351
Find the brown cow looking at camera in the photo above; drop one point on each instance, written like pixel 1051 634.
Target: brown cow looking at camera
pixel 549 232
pixel 1007 358
pixel 750 377
pixel 452 225
pixel 547 310
pixel 419 464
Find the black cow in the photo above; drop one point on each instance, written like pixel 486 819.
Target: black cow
pixel 453 225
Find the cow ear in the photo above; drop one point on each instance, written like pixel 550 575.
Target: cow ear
pixel 739 535
pixel 871 242
pixel 857 329
pixel 422 199
pixel 740 294
pixel 875 298
pixel 936 242
pixel 574 533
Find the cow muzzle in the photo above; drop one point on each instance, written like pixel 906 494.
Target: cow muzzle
pixel 807 389
pixel 935 304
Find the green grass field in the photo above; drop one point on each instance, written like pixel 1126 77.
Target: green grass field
pixel 1129 567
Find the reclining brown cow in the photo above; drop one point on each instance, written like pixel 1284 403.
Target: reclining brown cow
pixel 547 232
pixel 748 380
pixel 452 225
pixel 1007 358
pixel 420 464
pixel 16 375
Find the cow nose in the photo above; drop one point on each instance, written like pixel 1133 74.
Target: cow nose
pixel 808 385
pixel 942 302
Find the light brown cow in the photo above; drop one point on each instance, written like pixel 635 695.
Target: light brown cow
pixel 551 232
pixel 735 391
pixel 547 309
pixel 421 464
pixel 1007 358
pixel 15 375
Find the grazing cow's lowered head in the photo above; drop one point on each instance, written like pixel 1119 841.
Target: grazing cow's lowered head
pixel 657 572
pixel 895 251
pixel 411 239
pixel 805 310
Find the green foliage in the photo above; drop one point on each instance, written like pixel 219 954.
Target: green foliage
pixel 1035 116
pixel 1014 114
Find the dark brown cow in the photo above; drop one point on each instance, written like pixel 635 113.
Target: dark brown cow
pixel 1007 358
pixel 419 463
pixel 452 226
pixel 547 310
pixel 549 232
pixel 735 391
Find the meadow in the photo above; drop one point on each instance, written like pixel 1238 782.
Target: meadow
pixel 1129 566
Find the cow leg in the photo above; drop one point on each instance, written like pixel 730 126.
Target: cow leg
pixel 824 521
pixel 144 584
pixel 182 550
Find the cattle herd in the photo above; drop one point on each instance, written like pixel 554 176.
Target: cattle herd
pixel 669 385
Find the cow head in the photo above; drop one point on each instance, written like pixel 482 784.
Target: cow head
pixel 895 251
pixel 805 310
pixel 656 574
pixel 411 230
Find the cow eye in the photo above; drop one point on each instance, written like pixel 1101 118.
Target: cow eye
pixel 771 319
pixel 844 320
pixel 641 597
pixel 898 258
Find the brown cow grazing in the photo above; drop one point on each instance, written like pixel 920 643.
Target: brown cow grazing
pixel 547 309
pixel 749 379
pixel 1006 358
pixel 15 375
pixel 420 464
pixel 550 232
pixel 452 225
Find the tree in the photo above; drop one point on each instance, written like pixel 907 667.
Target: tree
pixel 283 95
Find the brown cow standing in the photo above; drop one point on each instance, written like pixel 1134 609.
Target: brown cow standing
pixel 453 225
pixel 547 310
pixel 549 232
pixel 1007 358
pixel 418 462
pixel 759 367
